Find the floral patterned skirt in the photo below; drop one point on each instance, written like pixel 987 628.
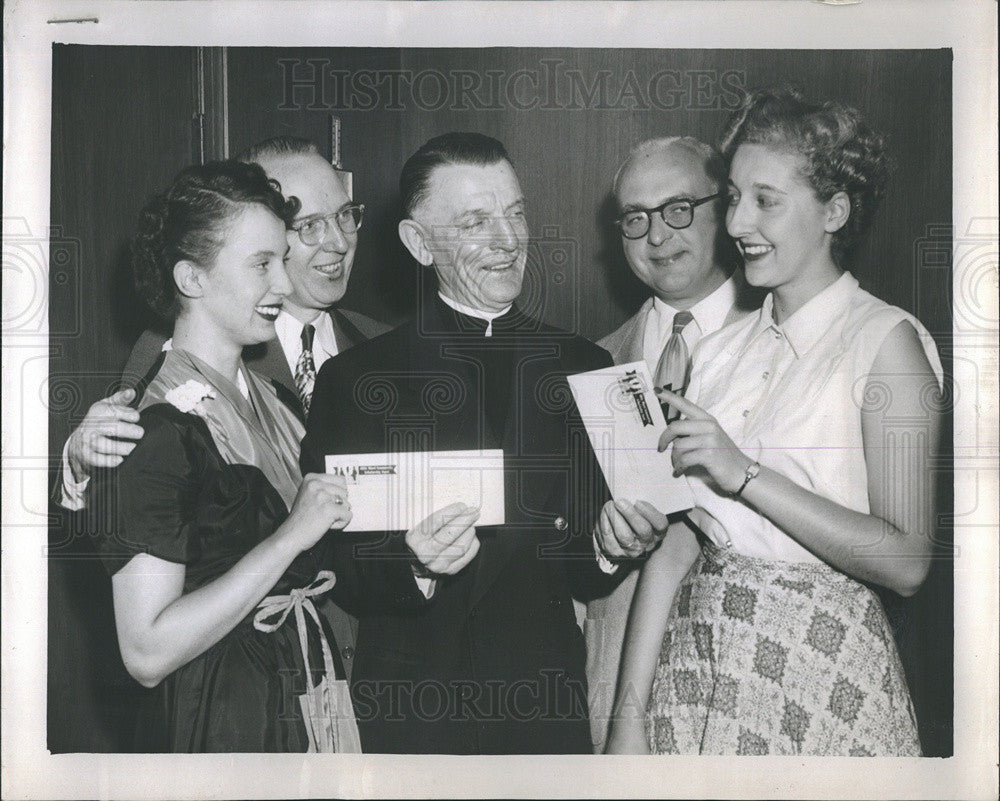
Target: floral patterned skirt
pixel 763 657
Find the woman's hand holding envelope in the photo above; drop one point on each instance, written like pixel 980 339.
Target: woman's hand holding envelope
pixel 699 441
pixel 445 542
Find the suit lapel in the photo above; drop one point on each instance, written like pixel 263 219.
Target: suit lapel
pixel 269 360
pixel 345 332
pixel 631 347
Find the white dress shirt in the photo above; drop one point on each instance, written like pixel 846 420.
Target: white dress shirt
pixel 709 316
pixel 289 332
pixel 789 396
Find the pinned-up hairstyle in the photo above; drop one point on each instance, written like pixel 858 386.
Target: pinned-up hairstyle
pixel 840 153
pixel 188 221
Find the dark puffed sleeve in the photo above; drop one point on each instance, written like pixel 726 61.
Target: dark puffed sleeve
pixel 149 503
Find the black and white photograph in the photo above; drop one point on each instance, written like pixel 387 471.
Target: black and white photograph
pixel 438 407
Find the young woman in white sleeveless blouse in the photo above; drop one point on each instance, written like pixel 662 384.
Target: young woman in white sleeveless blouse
pixel 807 437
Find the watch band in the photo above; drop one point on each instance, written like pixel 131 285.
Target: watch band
pixel 752 470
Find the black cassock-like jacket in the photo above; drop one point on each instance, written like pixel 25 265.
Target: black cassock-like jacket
pixel 493 662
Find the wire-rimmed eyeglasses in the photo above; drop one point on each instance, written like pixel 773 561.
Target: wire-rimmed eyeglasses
pixel 313 230
pixel 678 214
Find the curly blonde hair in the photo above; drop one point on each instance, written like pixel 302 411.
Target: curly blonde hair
pixel 840 153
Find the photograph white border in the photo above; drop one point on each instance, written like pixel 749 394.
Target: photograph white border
pixel 966 26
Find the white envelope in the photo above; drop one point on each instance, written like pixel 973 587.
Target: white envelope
pixel 624 422
pixel 395 491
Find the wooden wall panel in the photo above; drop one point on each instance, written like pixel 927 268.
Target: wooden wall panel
pixel 568 118
pixel 121 128
pixel 567 146
pixel 261 106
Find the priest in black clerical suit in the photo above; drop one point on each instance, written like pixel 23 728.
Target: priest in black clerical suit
pixel 482 655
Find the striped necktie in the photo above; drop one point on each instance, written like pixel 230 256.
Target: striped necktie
pixel 305 368
pixel 674 367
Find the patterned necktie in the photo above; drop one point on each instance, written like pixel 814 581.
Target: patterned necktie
pixel 675 365
pixel 305 368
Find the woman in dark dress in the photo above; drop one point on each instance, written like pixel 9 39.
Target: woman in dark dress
pixel 209 514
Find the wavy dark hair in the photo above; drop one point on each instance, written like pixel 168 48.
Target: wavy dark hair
pixel 456 147
pixel 188 221
pixel 841 153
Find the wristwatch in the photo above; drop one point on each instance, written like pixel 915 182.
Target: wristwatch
pixel 752 470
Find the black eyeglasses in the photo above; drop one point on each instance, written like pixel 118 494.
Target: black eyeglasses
pixel 313 230
pixel 678 214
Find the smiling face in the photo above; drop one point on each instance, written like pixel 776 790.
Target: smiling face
pixel 471 226
pixel 243 290
pixel 781 227
pixel 680 267
pixel 319 273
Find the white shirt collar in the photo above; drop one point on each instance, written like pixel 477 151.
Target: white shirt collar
pixel 489 317
pixel 813 318
pixel 710 312
pixel 289 333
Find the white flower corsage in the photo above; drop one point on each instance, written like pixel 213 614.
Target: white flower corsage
pixel 191 396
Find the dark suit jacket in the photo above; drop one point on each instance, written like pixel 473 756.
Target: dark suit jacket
pixel 493 662
pixel 350 328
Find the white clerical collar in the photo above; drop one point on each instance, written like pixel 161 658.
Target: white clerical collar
pixel 468 311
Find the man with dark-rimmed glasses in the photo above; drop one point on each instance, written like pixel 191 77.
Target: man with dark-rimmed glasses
pixel 671 200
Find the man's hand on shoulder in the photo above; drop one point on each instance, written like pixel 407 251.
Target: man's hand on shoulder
pixel 105 436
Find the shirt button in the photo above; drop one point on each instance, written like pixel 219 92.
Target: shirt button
pixel 766 374
pixel 560 523
pixel 347 653
pixel 746 412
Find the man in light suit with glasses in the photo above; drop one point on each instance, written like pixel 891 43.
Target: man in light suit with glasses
pixel 671 195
